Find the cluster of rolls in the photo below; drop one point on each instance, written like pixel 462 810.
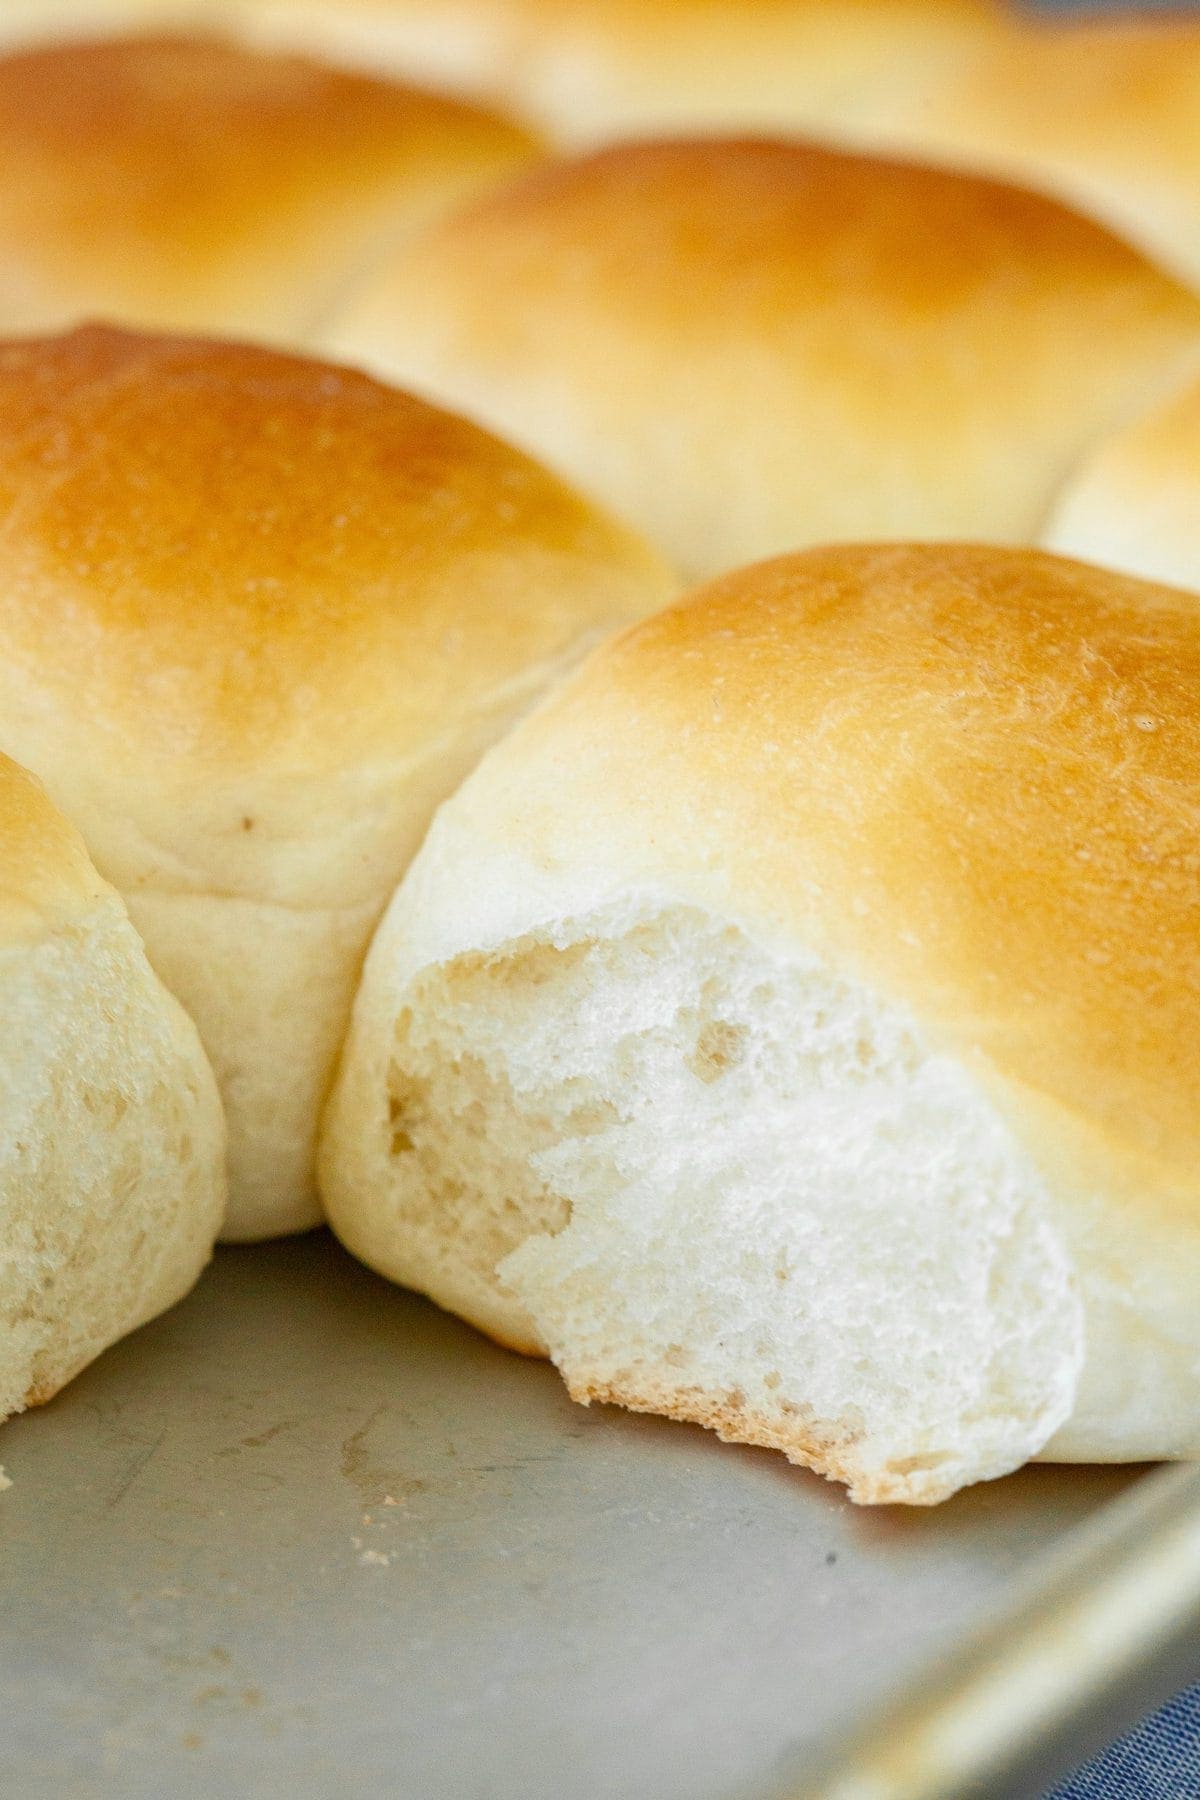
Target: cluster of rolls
pixel 778 1003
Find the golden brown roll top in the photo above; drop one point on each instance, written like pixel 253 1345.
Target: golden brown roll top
pixel 111 1137
pixel 794 1024
pixel 746 346
pixel 1104 113
pixel 589 69
pixel 182 181
pixel 257 617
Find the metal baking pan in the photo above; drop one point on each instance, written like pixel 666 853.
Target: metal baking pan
pixel 306 1536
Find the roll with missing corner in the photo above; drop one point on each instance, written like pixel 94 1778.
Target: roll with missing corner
pixel 794 1025
pixel 746 346
pixel 180 181
pixel 258 616
pixel 111 1137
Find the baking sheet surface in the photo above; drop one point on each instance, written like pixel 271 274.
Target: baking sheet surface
pixel 306 1536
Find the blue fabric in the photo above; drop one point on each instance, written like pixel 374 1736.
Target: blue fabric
pixel 1158 1760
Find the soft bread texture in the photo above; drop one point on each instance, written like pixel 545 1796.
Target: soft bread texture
pixel 111 1137
pixel 258 616
pixel 592 69
pixel 1103 112
pixel 747 346
pixel 181 181
pixel 1135 504
pixel 792 1026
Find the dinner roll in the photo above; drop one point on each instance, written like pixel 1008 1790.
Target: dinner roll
pixel 1135 504
pixel 1103 112
pixel 182 181
pixel 111 1137
pixel 747 346
pixel 794 1026
pixel 257 617
pixel 589 69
